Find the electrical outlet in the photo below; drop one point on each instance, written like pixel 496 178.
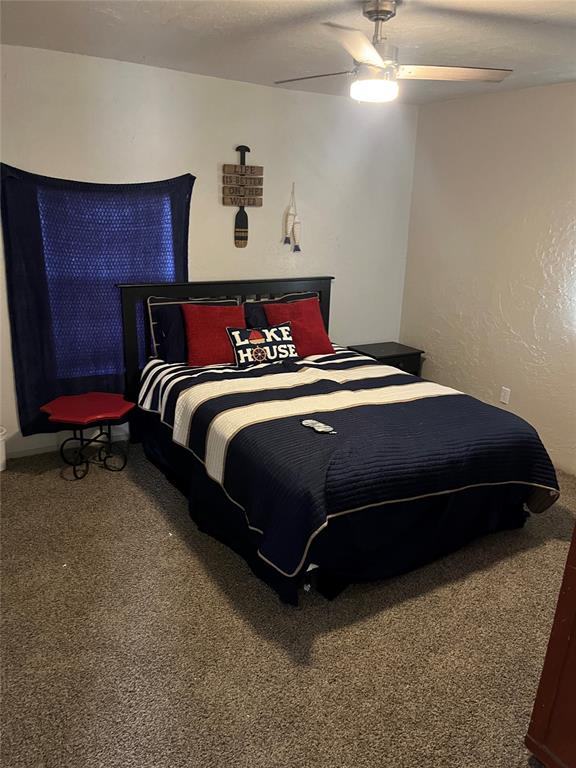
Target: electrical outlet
pixel 505 393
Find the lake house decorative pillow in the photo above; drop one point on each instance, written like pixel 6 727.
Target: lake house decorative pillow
pixel 262 345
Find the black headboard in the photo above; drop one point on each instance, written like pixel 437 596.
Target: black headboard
pixel 133 295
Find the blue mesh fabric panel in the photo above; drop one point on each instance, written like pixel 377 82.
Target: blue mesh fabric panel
pixel 68 245
pixel 93 242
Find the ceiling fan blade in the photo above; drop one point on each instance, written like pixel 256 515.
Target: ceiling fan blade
pixel 311 77
pixel 458 74
pixel 356 43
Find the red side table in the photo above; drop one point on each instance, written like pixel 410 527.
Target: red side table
pixel 92 409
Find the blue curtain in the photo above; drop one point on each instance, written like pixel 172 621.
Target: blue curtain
pixel 67 246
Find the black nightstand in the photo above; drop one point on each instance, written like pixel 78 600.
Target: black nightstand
pixel 392 353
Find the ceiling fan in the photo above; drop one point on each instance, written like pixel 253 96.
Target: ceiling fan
pixel 376 69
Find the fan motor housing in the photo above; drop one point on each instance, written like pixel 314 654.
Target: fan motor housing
pixel 379 10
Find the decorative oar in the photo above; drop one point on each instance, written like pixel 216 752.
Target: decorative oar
pixel 241 220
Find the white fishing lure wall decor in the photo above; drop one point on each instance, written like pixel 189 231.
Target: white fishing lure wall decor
pixel 292 224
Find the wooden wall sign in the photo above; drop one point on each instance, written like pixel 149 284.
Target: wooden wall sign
pixel 248 202
pixel 242 187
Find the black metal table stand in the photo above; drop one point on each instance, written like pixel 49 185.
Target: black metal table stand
pixel 108 455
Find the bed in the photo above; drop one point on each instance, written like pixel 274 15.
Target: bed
pixel 403 472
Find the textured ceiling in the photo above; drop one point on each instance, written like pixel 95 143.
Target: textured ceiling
pixel 260 42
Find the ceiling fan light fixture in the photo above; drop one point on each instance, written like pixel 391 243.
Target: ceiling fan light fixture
pixel 375 90
pixel 376 68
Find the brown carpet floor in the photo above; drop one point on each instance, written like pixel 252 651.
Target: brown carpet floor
pixel 133 641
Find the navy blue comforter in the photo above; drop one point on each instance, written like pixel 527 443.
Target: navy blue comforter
pixel 394 438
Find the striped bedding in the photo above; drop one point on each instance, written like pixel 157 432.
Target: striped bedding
pixel 395 438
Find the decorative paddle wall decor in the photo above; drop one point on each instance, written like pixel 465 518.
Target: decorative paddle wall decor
pixel 242 186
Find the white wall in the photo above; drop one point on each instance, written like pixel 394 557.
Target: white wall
pixel 490 289
pixel 98 120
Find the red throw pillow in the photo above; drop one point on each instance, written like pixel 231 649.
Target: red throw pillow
pixel 308 329
pixel 208 342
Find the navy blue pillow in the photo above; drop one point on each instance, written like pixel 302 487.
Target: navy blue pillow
pixel 254 310
pixel 167 329
pixel 263 345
